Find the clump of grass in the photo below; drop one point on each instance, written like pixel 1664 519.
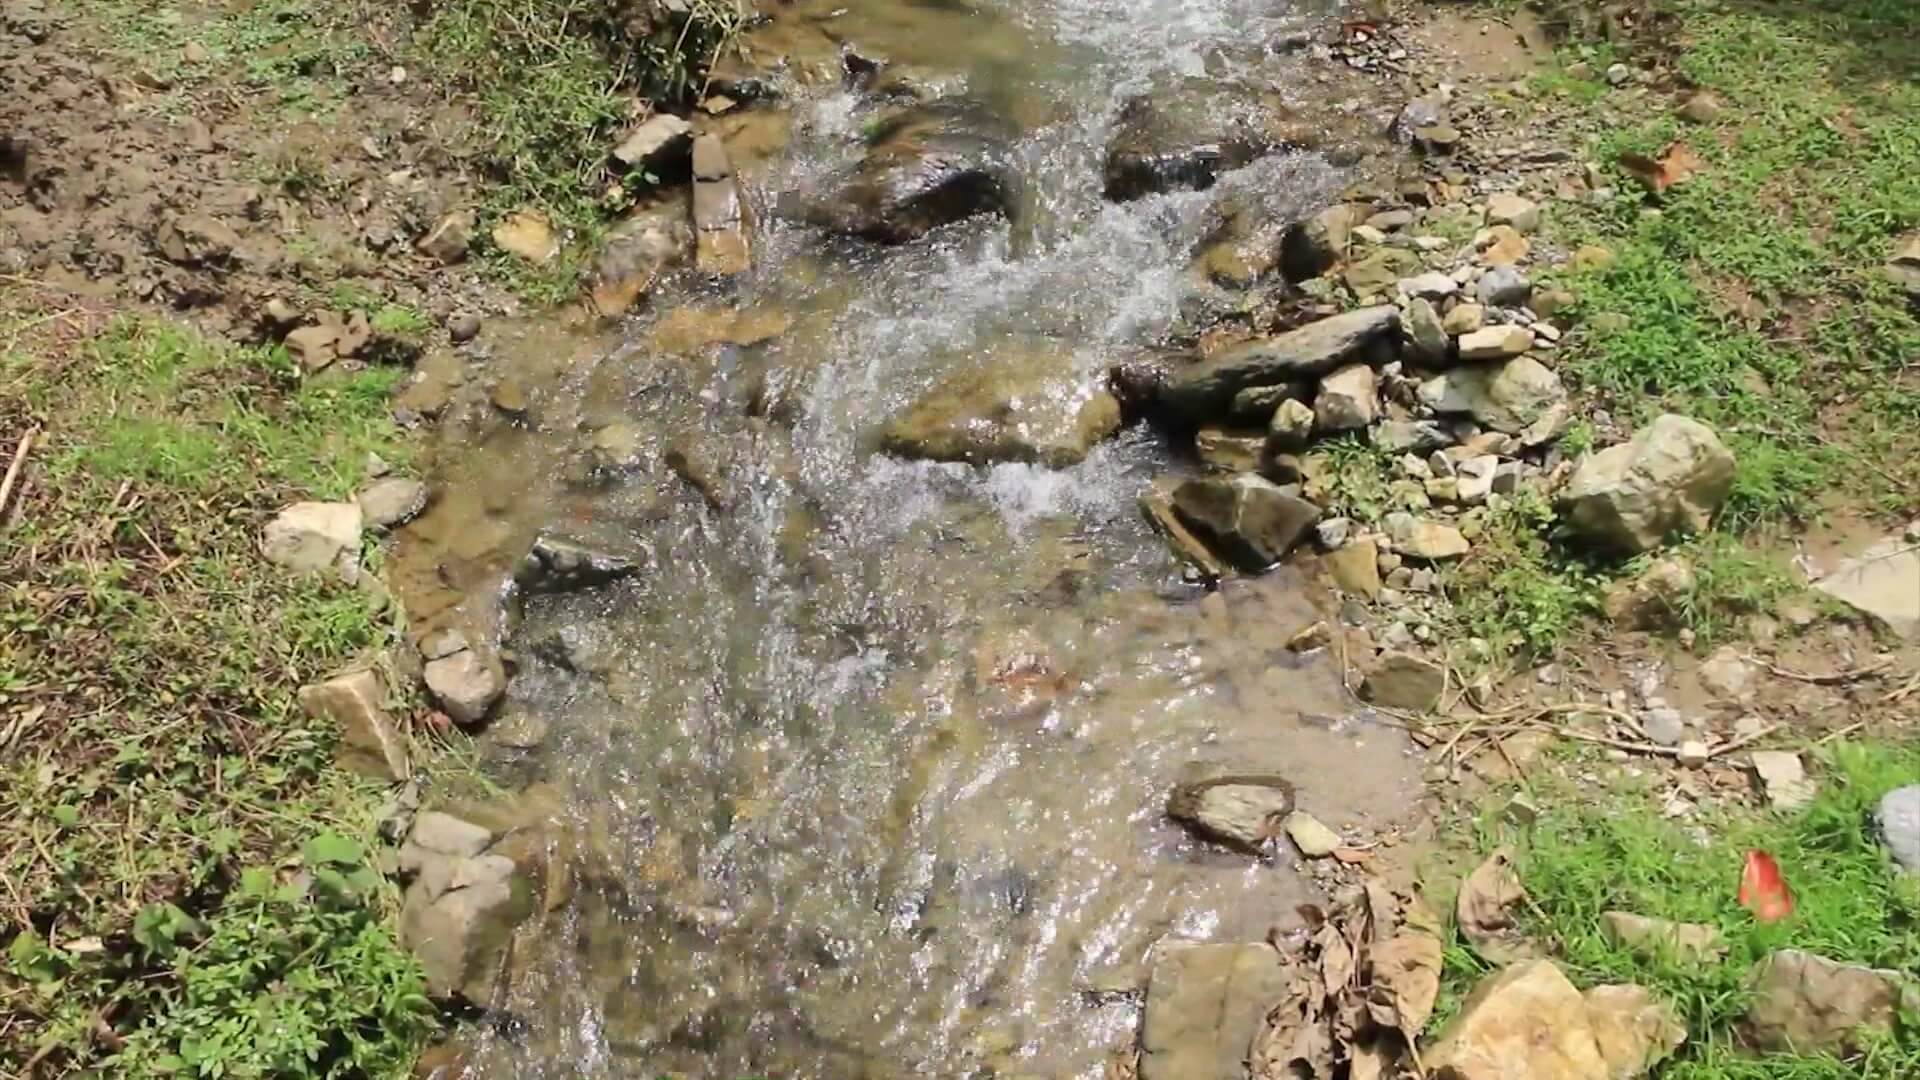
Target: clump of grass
pixel 1851 904
pixel 1515 590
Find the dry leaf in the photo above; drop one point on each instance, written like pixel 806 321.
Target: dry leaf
pixel 1336 960
pixel 1351 856
pixel 1406 980
pixel 1294 1044
pixel 1373 1060
pixel 1490 899
pixel 1675 165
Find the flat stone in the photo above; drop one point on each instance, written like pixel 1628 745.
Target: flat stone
pixel 1427 340
pixel 1381 270
pixel 1649 937
pixel 313 537
pixel 1464 319
pixel 1231 449
pixel 656 143
pixel 1501 246
pixel 1156 505
pixel 1405 681
pixel 443 834
pixel 1249 521
pixel 1882 583
pixel 1784 779
pixel 1807 1003
pixel 1503 286
pixel 1411 436
pixel 1670 478
pixel 1508 397
pixel 1421 538
pixel 1204 1005
pixel 1526 1021
pixel 390 502
pixel 1206 390
pixel 370 742
pixel 1313 839
pixel 1495 343
pixel 1432 285
pixel 554 565
pixel 1244 811
pixel 1521 213
pixel 457 922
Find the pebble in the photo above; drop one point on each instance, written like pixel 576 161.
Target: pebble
pixel 1664 725
pixel 463 327
pixel 1314 839
pixel 1693 754
pixel 1618 74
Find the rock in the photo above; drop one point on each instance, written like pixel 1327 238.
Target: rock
pixel 1549 426
pixel 1521 213
pixel 1727 674
pixel 637 251
pixel 1426 333
pixel 370 742
pixel 1250 521
pixel 1184 140
pixel 1313 839
pixel 1664 725
pixel 1670 478
pixel 554 565
pixel 1205 390
pixel 1526 1021
pixel 1204 1005
pixel 463 327
pixel 1355 568
pixel 1391 220
pixel 1693 754
pixel 196 240
pixel 1258 404
pixel 528 235
pixel 1023 405
pixel 1245 811
pixel 1904 268
pixel 1464 319
pixel 1898 817
pixel 1632 1029
pixel 1656 597
pixel 1495 343
pixel 1231 449
pixel 1882 583
pixel 450 238
pixel 1333 532
pixel 656 146
pixel 1783 779
pixel 311 537
pixel 1648 937
pixel 438 833
pixel 464 685
pixel 1310 637
pixel 1474 479
pixel 457 919
pixel 1405 681
pixel 1807 1004
pixel 1380 273
pixel 1701 108
pixel 1292 426
pixel 1432 285
pixel 1426 111
pixel 1436 139
pixel 1424 539
pixel 719 224
pixel 1507 397
pixel 1618 74
pixel 390 502
pixel 1501 246
pixel 1156 504
pixel 1411 436
pixel 926 166
pixel 1503 286
pixel 1347 400
pixel 1312 247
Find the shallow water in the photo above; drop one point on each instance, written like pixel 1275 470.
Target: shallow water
pixel 870 763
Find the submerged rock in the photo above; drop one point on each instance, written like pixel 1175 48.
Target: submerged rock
pixel 1206 389
pixel 1185 140
pixel 1024 405
pixel 1204 1005
pixel 554 565
pixel 926 166
pixel 1244 811
pixel 1250 521
pixel 1670 478
pixel 720 237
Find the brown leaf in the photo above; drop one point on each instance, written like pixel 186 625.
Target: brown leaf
pixel 1675 165
pixel 1294 1044
pixel 1406 980
pixel 1336 960
pixel 1351 856
pixel 1373 1060
pixel 1487 911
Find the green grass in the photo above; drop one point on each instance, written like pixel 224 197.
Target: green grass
pixel 1583 858
pixel 154 752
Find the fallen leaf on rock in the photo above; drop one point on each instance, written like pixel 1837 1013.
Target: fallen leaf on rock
pixel 1490 899
pixel 1675 165
pixel 1763 890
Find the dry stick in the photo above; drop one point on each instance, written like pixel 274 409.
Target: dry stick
pixel 1878 666
pixel 1839 734
pixel 13 470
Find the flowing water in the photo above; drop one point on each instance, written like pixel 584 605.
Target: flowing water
pixel 868 766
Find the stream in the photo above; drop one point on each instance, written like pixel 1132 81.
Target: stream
pixel 869 763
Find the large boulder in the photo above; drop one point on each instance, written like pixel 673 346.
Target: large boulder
pixel 1186 138
pixel 1669 478
pixel 1023 405
pixel 1206 390
pixel 1204 1005
pixel 926 166
pixel 1807 1004
pixel 1506 397
pixel 1249 521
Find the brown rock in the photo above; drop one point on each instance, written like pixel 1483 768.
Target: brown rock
pixel 1524 1023
pixel 370 742
pixel 1405 681
pixel 1633 1030
pixel 1645 936
pixel 1355 568
pixel 1806 1003
pixel 450 238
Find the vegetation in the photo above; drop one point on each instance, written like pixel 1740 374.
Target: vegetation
pixel 158 766
pixel 1850 903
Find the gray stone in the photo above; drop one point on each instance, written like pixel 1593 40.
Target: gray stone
pixel 1024 405
pixel 1664 725
pixel 370 742
pixel 463 327
pixel 1391 220
pixel 1405 681
pixel 390 502
pixel 1432 285
pixel 1727 674
pixel 1521 213
pixel 1244 811
pixel 1257 404
pixel 1654 598
pixel 1701 108
pixel 1427 339
pixel 1670 478
pixel 1474 478
pixel 1783 779
pixel 662 141
pixel 1898 816
pixel 313 537
pixel 1495 343
pixel 1248 520
pixel 1333 532
pixel 1507 397
pixel 464 685
pixel 1427 110
pixel 438 833
pixel 554 565
pixel 1807 1004
pixel 450 239
pixel 1204 1005
pixel 1503 286
pixel 1347 400
pixel 457 919
pixel 1206 389
pixel 1185 138
pixel 645 245
pixel 1882 583
pixel 1156 505
pixel 720 239
pixel 1311 836
pixel 1411 436
pixel 1292 426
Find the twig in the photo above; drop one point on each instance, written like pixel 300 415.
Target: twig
pixel 1841 733
pixel 13 470
pixel 1744 740
pixel 1829 679
pixel 1903 692
pixel 1619 744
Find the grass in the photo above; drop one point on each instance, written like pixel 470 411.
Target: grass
pixel 154 753
pixel 1582 859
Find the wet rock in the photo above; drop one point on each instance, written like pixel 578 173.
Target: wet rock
pixel 450 239
pixel 1503 286
pixel 1411 436
pixel 719 224
pixel 1525 1021
pixel 1259 404
pixel 1204 1005
pixel 312 537
pixel 527 234
pixel 926 166
pixel 1024 405
pixel 1347 400
pixel 1898 817
pixel 1231 449
pixel 390 502
pixel 1312 247
pixel 1495 343
pixel 463 327
pixel 1670 478
pixel 1245 811
pixel 1355 568
pixel 1806 1003
pixel 1156 504
pixel 1249 521
pixel 1882 583
pixel 1421 538
pixel 658 146
pixel 464 684
pixel 1310 836
pixel 1380 273
pixel 554 565
pixel 370 742
pixel 1427 339
pixel 1405 681
pixel 1292 426
pixel 646 244
pixel 457 918
pixel 1507 397
pixel 1206 390
pixel 1654 598
pixel 1520 213
pixel 1649 937
pixel 1783 779
pixel 1633 1030
pixel 1184 140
